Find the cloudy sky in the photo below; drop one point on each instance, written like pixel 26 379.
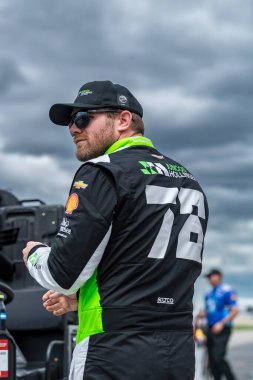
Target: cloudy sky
pixel 189 63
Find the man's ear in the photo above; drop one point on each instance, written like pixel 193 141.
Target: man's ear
pixel 124 121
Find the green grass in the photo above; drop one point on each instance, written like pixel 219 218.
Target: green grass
pixel 243 327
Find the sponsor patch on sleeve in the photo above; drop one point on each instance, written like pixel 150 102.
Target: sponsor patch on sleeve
pixel 72 203
pixel 80 185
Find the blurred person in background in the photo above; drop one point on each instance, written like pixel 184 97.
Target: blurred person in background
pixel 220 310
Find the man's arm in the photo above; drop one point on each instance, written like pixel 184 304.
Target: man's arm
pixel 231 301
pixel 29 246
pixel 83 236
pixel 219 326
pixel 201 313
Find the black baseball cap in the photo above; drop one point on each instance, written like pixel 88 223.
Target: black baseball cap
pixel 213 271
pixel 96 95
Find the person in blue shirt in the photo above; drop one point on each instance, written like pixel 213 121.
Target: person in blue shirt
pixel 221 309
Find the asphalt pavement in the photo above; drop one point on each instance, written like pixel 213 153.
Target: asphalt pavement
pixel 240 356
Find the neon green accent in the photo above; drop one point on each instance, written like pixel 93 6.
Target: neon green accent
pixel 148 169
pixel 85 92
pixel 129 141
pixel 34 258
pixel 176 168
pixel 89 310
pixel 145 164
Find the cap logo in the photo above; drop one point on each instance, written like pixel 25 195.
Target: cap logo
pixel 85 92
pixel 122 99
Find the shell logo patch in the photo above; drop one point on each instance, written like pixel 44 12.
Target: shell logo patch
pixel 72 203
pixel 80 185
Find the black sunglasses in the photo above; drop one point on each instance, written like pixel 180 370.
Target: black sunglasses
pixel 82 118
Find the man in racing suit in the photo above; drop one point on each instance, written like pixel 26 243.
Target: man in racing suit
pixel 130 244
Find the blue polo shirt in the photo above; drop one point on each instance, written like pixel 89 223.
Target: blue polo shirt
pixel 219 301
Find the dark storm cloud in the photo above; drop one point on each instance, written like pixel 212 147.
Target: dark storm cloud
pixel 9 75
pixel 214 128
pixel 95 39
pixel 228 166
pixel 189 63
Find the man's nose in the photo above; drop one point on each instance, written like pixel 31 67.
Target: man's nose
pixel 73 129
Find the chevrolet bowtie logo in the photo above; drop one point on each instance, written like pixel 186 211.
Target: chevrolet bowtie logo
pixel 80 185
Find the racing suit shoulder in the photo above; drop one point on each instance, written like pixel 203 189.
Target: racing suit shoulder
pixel 83 234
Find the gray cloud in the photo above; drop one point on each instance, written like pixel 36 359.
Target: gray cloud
pixel 190 64
pixel 9 76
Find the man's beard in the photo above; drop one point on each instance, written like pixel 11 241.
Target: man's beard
pixel 87 153
pixel 97 144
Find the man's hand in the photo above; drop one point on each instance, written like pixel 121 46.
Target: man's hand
pixel 58 303
pixel 218 327
pixel 28 248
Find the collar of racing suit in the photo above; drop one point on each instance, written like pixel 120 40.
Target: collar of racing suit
pixel 129 141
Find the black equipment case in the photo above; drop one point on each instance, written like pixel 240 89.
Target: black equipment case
pixel 43 339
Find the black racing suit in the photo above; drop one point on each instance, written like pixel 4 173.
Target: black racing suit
pixel 131 242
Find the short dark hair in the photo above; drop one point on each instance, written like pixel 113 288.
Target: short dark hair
pixel 214 271
pixel 137 124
